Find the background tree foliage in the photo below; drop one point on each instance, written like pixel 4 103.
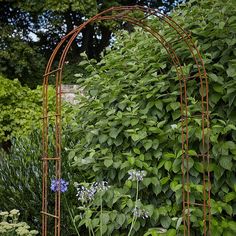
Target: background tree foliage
pixel 31 29
pixel 21 110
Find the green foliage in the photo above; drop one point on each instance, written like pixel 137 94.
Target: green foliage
pixel 21 61
pixel 88 7
pixel 129 118
pixel 30 31
pixel 10 226
pixel 21 109
pixel 21 181
pixel 20 178
pixel 20 56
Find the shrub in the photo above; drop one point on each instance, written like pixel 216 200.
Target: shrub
pixel 21 182
pixel 129 118
pixel 9 225
pixel 21 109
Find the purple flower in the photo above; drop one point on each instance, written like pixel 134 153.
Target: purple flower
pixel 55 185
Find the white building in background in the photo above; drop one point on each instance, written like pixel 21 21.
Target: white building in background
pixel 69 93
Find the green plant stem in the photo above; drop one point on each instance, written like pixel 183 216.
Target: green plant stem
pixel 71 216
pixel 91 229
pixel 101 217
pixel 134 217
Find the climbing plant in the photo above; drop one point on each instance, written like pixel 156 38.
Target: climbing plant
pixel 129 118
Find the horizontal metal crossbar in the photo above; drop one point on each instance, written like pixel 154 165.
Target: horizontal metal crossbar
pixel 200 155
pixel 194 203
pixel 197 76
pixel 48 214
pixel 194 116
pixel 145 17
pixel 63 92
pixel 50 116
pixel 181 38
pixel 51 72
pixel 50 158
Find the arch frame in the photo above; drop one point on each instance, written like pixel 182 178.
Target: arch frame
pixel 122 14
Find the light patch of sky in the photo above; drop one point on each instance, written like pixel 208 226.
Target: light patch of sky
pixel 35 38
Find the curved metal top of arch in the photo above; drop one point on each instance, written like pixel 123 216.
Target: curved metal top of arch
pixel 125 13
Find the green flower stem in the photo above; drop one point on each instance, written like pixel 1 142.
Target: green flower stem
pixel 101 216
pixel 134 217
pixel 91 228
pixel 71 216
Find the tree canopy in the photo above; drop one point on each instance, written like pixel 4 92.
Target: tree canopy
pixel 31 29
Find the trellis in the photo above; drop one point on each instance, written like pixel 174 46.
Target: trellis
pixel 127 14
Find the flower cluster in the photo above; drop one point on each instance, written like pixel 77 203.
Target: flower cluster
pixel 174 126
pixel 136 175
pixel 138 212
pixel 86 194
pixel 10 224
pixel 100 186
pixel 59 184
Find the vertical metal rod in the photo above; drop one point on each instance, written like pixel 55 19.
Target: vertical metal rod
pixel 208 158
pixel 186 155
pixel 45 151
pixel 57 225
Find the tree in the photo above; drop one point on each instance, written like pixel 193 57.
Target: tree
pixel 31 29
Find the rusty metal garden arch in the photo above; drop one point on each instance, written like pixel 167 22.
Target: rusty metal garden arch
pixel 123 13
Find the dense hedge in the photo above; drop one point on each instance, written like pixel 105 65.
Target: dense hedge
pixel 21 109
pixel 129 118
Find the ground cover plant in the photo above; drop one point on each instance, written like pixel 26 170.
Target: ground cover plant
pixel 121 143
